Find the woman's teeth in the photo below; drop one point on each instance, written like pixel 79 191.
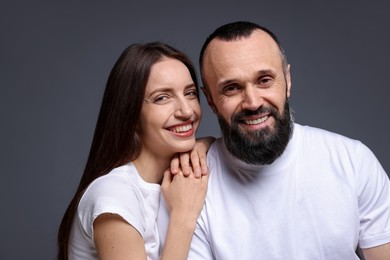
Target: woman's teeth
pixel 183 128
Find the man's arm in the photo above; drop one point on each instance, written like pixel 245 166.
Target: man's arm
pixel 377 253
pixel 374 206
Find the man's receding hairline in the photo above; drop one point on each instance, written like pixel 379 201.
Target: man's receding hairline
pixel 238 38
pixel 235 39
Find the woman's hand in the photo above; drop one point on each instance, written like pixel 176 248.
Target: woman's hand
pixel 184 195
pixel 194 161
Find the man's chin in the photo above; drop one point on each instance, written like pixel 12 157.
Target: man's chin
pixel 257 135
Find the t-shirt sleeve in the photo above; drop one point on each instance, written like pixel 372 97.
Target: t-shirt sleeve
pixel 112 193
pixel 200 246
pixel 374 200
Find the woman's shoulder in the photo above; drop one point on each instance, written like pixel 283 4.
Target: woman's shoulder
pixel 116 184
pixel 115 193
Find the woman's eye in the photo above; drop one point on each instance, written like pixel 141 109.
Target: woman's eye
pixel 192 93
pixel 162 99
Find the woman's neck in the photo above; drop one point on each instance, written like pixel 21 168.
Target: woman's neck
pixel 151 168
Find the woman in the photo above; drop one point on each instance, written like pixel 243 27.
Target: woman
pixel 150 112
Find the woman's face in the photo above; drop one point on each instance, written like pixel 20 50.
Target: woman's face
pixel 171 111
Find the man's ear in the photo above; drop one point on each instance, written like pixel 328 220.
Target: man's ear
pixel 206 92
pixel 288 80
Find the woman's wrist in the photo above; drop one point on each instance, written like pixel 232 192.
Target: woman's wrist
pixel 187 221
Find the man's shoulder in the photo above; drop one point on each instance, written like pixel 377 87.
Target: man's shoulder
pixel 215 146
pixel 316 139
pixel 307 132
pixel 216 154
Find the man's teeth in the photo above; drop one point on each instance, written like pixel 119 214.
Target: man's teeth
pixel 255 122
pixel 183 128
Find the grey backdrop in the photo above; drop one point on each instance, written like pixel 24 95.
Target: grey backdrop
pixel 55 59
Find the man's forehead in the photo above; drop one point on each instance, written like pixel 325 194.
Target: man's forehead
pixel 258 48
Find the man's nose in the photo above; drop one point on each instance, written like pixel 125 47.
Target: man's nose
pixel 251 98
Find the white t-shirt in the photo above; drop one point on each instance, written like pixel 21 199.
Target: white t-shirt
pixel 123 192
pixel 325 195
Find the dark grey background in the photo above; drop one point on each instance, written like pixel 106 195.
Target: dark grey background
pixel 55 59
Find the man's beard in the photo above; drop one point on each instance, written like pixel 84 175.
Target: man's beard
pixel 259 146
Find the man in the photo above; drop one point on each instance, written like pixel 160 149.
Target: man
pixel 279 190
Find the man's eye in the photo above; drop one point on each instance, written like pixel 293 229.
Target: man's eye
pixel 265 81
pixel 231 89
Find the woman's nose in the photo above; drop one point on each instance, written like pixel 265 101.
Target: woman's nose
pixel 183 108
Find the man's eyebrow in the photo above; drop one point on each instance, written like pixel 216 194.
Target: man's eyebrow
pixel 265 72
pixel 225 83
pixel 259 73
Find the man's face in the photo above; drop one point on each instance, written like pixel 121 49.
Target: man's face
pixel 248 91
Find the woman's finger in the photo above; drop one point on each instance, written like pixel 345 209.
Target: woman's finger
pixel 196 164
pixel 185 164
pixel 175 164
